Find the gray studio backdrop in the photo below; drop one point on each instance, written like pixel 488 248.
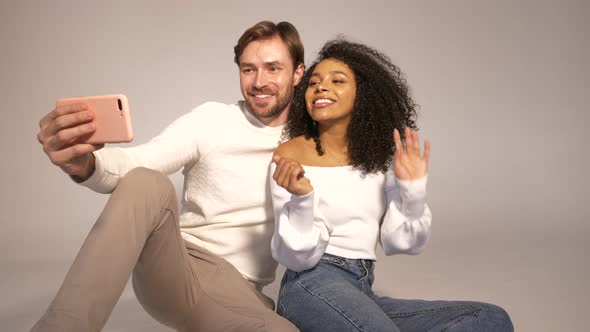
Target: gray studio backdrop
pixel 503 91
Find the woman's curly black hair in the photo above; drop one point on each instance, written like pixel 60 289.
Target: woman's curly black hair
pixel 382 104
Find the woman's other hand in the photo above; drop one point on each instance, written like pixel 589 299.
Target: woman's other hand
pixel 290 175
pixel 408 164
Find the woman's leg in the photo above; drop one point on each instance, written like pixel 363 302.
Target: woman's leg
pixel 455 316
pixel 329 297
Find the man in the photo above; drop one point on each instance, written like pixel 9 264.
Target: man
pixel 201 269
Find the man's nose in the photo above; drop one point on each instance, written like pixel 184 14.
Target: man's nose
pixel 261 79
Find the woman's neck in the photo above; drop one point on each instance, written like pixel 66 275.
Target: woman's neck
pixel 334 135
pixel 334 143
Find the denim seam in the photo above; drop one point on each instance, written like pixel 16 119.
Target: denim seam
pixel 422 312
pixel 365 273
pixel 331 305
pixel 281 296
pixel 363 278
pixel 459 320
pixel 454 323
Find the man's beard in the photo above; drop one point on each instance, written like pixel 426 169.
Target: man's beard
pixel 276 110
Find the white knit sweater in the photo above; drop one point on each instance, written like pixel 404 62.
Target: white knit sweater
pixel 346 214
pixel 224 153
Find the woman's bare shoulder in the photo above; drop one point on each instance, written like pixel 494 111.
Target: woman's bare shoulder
pixel 296 148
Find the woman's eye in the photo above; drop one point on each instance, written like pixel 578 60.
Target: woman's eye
pixel 313 83
pixel 338 81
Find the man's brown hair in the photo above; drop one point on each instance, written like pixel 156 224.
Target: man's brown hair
pixel 266 29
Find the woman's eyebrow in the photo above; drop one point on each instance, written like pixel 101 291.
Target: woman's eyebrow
pixel 331 73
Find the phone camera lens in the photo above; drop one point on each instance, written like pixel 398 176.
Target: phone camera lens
pixel 120 104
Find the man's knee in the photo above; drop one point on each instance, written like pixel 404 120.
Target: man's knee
pixel 144 181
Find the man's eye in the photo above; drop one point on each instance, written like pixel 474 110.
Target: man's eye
pixel 247 70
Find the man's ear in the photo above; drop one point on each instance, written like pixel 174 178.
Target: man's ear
pixel 298 73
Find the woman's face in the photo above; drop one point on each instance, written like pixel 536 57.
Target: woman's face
pixel 331 92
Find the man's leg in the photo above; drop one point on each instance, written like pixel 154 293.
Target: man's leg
pixel 143 203
pixel 206 293
pixel 137 231
pixel 227 301
pixel 455 316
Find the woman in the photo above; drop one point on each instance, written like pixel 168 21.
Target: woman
pixel 353 174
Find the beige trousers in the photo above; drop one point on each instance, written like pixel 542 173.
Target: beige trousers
pixel 180 284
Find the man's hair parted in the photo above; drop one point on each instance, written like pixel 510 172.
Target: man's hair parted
pixel 266 29
pixel 382 103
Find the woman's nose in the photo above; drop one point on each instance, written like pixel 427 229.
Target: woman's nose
pixel 321 87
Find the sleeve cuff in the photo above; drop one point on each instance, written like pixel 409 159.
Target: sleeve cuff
pixel 100 181
pixel 413 196
pixel 301 212
pixel 413 190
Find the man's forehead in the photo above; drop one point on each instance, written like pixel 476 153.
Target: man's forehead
pixel 266 51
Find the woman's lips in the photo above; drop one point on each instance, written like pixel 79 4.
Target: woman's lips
pixel 322 102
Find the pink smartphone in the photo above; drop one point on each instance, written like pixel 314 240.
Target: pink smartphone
pixel 112 117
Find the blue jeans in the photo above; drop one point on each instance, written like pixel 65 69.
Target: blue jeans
pixel 337 295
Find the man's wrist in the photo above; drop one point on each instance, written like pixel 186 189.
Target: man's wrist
pixel 88 170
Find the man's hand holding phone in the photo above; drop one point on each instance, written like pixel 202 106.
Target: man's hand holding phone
pixel 78 126
pixel 60 134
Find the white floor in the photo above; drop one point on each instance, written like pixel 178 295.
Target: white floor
pixel 543 287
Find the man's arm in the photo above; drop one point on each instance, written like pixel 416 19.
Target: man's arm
pixel 101 170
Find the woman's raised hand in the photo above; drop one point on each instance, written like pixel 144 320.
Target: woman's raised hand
pixel 408 163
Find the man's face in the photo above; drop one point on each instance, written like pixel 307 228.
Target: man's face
pixel 267 77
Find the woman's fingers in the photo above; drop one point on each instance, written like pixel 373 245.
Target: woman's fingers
pixel 408 137
pixel 282 168
pixel 283 172
pixel 289 174
pixel 286 175
pixel 426 150
pixel 415 143
pixel 295 175
pixel 397 141
pixel 292 175
pixel 412 142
